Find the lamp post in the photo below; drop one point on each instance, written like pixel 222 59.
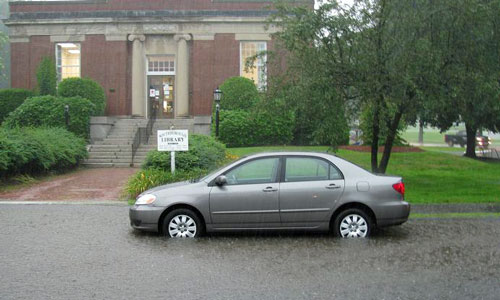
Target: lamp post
pixel 217 96
pixel 66 115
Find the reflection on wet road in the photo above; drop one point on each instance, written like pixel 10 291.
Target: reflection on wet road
pixel 83 251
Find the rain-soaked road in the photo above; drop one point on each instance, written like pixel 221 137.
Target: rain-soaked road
pixel 90 252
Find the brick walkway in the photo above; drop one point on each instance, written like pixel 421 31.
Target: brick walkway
pixel 100 184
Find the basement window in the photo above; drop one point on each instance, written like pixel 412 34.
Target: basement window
pixel 68 60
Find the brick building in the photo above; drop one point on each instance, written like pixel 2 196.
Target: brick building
pixel 169 54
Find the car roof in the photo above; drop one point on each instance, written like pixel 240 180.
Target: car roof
pixel 285 153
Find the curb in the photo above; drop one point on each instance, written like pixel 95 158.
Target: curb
pixel 456 208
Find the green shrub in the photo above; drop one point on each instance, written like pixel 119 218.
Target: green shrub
pixel 238 93
pixel 10 99
pixel 85 88
pixel 48 111
pixel 204 153
pixel 46 76
pixel 149 178
pixel 38 150
pixel 238 128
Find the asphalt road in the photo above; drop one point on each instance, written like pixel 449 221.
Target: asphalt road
pixel 90 252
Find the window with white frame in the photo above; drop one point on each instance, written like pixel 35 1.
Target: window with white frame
pixel 257 70
pixel 68 58
pixel 161 65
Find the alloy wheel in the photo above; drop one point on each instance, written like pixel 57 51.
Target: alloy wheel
pixel 354 226
pixel 181 226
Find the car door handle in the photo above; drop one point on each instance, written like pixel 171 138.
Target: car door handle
pixel 269 189
pixel 332 186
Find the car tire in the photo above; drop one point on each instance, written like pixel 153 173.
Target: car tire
pixel 353 223
pixel 182 223
pixel 451 144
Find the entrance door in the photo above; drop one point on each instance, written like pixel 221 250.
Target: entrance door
pixel 161 95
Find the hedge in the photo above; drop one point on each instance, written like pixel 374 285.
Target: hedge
pixel 239 128
pixel 48 111
pixel 10 99
pixel 238 93
pixel 46 76
pixel 85 88
pixel 38 150
pixel 204 153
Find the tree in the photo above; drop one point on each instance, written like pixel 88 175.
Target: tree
pixel 46 76
pixel 373 53
pixel 466 35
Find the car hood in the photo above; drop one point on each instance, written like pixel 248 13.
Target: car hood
pixel 168 186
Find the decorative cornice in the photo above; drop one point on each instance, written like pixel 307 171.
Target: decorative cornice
pixel 19 17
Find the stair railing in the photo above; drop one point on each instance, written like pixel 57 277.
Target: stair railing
pixel 143 133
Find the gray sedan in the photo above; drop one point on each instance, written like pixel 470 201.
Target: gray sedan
pixel 275 191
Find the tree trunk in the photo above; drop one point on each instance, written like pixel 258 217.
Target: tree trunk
pixel 421 132
pixel 389 141
pixel 471 140
pixel 375 137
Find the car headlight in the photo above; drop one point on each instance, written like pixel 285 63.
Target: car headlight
pixel 145 199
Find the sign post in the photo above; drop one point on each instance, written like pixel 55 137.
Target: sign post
pixel 173 140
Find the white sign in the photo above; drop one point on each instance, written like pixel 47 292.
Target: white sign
pixel 173 140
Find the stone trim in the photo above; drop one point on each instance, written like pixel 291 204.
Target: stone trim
pixel 116 37
pixel 185 37
pixel 140 37
pixel 252 37
pixel 67 38
pixel 19 39
pixel 203 37
pixel 132 14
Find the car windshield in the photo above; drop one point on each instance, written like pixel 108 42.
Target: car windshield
pixel 204 178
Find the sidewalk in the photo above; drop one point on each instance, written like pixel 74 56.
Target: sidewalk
pixel 85 184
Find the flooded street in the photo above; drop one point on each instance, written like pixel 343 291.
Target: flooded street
pixel 91 252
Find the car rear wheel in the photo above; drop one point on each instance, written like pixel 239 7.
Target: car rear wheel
pixel 182 223
pixel 353 223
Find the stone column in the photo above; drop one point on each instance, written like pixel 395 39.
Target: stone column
pixel 138 75
pixel 182 76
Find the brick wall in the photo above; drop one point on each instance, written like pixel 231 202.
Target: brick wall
pixel 106 62
pixel 212 63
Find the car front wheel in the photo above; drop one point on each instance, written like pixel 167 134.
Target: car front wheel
pixel 353 223
pixel 182 223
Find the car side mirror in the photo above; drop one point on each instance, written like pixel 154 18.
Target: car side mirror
pixel 221 180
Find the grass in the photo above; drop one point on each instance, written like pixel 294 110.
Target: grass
pixel 454 215
pixel 430 176
pixel 433 136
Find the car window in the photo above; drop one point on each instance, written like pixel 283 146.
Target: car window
pixel 262 170
pixel 335 173
pixel 306 169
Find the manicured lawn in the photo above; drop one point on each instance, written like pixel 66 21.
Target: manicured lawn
pixel 433 136
pixel 430 177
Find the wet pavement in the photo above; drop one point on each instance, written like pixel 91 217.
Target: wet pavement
pixel 90 252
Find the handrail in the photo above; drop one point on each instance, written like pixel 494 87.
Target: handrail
pixel 135 144
pixel 139 137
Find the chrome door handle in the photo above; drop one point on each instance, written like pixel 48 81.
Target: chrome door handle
pixel 269 189
pixel 332 186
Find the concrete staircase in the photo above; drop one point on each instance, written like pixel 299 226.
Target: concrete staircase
pixel 116 149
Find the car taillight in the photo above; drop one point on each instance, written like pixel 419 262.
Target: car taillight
pixel 399 187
